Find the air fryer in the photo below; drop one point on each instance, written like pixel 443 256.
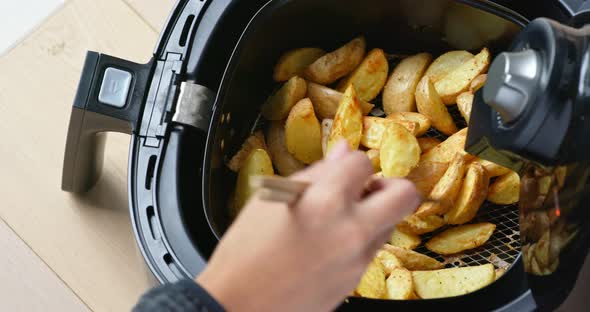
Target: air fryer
pixel 190 108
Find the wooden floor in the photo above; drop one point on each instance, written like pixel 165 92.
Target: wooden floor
pixel 61 252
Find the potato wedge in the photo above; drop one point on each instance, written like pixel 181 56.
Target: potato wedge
pixel 372 284
pixel 422 121
pixel 505 190
pixel 255 141
pixel 427 144
pixel 337 64
pixel 493 169
pixel 452 282
pixel 430 104
pixel 398 94
pixel 374 129
pixel 461 238
pixel 464 103
pixel 326 129
pixel 257 163
pixel 285 163
pixel 446 63
pixel 427 175
pixel 370 77
pixel 400 285
pixel 326 101
pixel 459 80
pixel 400 152
pixel 404 240
pixel 278 105
pixel 388 261
pixel 478 83
pixel 472 194
pixel 419 226
pixel 374 155
pixel 445 151
pixel 294 62
pixel 445 191
pixel 412 260
pixel 348 122
pixel 303 133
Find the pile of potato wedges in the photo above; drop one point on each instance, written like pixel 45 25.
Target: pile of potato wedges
pixel 324 97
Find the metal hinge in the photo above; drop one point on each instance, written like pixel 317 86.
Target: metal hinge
pixel 194 106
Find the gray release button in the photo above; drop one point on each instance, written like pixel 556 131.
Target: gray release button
pixel 115 87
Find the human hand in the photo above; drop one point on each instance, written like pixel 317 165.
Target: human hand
pixel 310 256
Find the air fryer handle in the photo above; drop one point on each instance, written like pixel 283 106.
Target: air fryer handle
pixel 109 99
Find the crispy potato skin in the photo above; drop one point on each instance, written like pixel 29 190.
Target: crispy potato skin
pixel 400 285
pixel 400 151
pixel 452 282
pixel 326 129
pixel 257 163
pixel 285 163
pixel 348 123
pixel 423 122
pixel 445 151
pixel 427 175
pixel 398 94
pixel 404 240
pixel 430 104
pixel 459 80
pixel 465 103
pixel 427 143
pixel 370 77
pixel 337 64
pixel 303 133
pixel 373 155
pixel 505 190
pixel 326 101
pixel 294 62
pixel 493 169
pixel 372 284
pixel 446 63
pixel 461 238
pixel 412 260
pixel 419 226
pixel 278 105
pixel 471 196
pixel 388 261
pixel 478 83
pixel 255 141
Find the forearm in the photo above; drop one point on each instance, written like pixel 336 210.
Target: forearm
pixel 182 296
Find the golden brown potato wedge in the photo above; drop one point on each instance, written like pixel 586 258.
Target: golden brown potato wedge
pixel 294 62
pixel 430 104
pixel 461 238
pixel 374 155
pixel 348 122
pixel 478 83
pixel 255 141
pixel 446 63
pixel 445 151
pixel 427 175
pixel 400 151
pixel 452 282
pixel 388 261
pixel 285 163
pixel 326 129
pixel 505 190
pixel 326 101
pixel 404 240
pixel 374 129
pixel 412 260
pixel 445 191
pixel 459 80
pixel 427 144
pixel 493 169
pixel 303 133
pixel 419 226
pixel 372 284
pixel 400 285
pixel 464 103
pixel 422 121
pixel 370 77
pixel 278 105
pixel 398 94
pixel 257 163
pixel 472 194
pixel 337 64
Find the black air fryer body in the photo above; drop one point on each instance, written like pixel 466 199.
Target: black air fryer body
pixel 194 103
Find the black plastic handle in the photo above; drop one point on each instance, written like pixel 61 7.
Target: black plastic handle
pixel 91 118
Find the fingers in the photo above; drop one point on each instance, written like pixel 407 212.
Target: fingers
pixel 390 202
pixel 317 170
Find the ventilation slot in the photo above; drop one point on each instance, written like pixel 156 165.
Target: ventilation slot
pixel 172 265
pixel 149 176
pixel 153 223
pixel 185 30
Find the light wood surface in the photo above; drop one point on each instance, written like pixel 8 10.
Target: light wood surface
pixel 153 14
pixel 86 240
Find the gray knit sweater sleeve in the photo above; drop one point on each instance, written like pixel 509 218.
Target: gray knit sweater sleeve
pixel 183 296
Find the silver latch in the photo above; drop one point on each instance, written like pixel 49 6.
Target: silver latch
pixel 194 106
